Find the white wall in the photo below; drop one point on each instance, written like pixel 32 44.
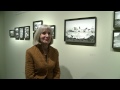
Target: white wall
pixel 76 61
pixel 2 61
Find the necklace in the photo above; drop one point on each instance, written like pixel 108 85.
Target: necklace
pixel 45 50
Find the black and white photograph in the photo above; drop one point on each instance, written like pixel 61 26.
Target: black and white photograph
pixel 116 39
pixel 37 24
pixel 80 30
pixel 27 32
pixel 17 34
pixel 116 22
pixel 11 33
pixel 53 30
pixel 21 30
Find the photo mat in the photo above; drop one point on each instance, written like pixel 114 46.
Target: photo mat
pixel 11 33
pixel 53 30
pixel 17 33
pixel 27 32
pixel 37 24
pixel 116 20
pixel 116 39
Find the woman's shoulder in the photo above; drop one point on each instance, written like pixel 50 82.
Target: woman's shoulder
pixel 31 48
pixel 53 49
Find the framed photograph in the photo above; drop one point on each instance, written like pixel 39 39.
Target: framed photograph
pixel 11 33
pixel 116 39
pixel 34 34
pixel 17 33
pixel 21 31
pixel 116 20
pixel 27 32
pixel 53 30
pixel 36 24
pixel 80 30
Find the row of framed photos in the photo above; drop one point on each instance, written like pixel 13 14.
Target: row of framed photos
pixel 21 33
pixel 116 31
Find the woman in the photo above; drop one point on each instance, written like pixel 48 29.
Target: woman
pixel 42 60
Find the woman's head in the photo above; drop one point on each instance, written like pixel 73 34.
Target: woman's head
pixel 43 35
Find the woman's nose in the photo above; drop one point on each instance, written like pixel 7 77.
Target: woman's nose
pixel 47 34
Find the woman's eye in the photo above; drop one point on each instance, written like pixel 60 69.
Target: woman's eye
pixel 48 33
pixel 44 33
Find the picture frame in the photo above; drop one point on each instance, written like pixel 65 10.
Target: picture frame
pixel 34 34
pixel 21 32
pixel 17 33
pixel 116 39
pixel 116 20
pixel 36 24
pixel 11 33
pixel 80 30
pixel 53 30
pixel 27 32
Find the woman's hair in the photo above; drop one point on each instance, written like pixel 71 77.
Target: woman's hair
pixel 36 39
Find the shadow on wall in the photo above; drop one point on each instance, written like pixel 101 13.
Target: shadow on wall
pixel 90 76
pixel 65 73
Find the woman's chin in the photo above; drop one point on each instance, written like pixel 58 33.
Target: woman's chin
pixel 45 42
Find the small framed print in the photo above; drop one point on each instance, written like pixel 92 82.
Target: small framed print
pixel 11 33
pixel 37 24
pixel 21 31
pixel 27 32
pixel 116 39
pixel 17 33
pixel 53 30
pixel 116 20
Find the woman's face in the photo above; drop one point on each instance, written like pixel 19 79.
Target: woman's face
pixel 45 37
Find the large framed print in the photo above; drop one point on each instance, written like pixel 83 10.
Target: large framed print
pixel 116 39
pixel 11 33
pixel 27 32
pixel 21 31
pixel 17 33
pixel 53 30
pixel 80 30
pixel 37 24
pixel 116 20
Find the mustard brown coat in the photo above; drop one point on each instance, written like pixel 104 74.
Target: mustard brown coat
pixel 36 65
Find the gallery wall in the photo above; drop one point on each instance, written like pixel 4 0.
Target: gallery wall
pixel 2 64
pixel 76 61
